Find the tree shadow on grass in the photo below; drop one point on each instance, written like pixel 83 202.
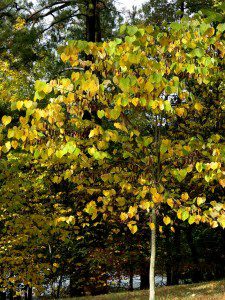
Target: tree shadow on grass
pixel 207 291
pixel 214 290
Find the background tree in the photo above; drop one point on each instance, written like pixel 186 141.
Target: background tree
pixel 157 12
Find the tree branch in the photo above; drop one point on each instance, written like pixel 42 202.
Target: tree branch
pixel 61 20
pixel 60 3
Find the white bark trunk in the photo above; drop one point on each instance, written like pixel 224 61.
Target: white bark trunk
pixel 152 259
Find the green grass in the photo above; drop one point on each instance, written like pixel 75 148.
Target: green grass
pixel 214 290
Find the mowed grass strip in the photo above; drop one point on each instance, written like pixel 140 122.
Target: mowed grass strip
pixel 214 290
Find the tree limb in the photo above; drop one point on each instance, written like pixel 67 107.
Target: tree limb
pixel 62 3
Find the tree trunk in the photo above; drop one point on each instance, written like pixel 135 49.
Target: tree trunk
pixel 75 289
pixel 91 21
pixel 196 273
pixel 59 287
pixel 176 265
pixel 98 27
pixel 144 274
pixel 30 294
pixel 168 274
pixel 131 280
pixel 11 294
pixel 152 259
pixel 2 296
pixel 182 8
pixel 168 258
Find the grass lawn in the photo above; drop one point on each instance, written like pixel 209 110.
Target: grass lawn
pixel 214 290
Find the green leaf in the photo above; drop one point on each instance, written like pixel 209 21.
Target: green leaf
pixel 36 154
pixel 124 84
pixel 130 39
pixel 221 27
pixel 204 27
pixel 131 30
pixel 191 220
pixel 176 26
pixel 39 95
pixel 40 85
pixel 100 114
pixel 123 28
pixel 198 167
pixel 124 102
pixel 147 140
pixel 163 149
pixel 185 215
pixel 198 52
pixel 167 105
pixel 115 113
pixel 157 77
pixel 191 68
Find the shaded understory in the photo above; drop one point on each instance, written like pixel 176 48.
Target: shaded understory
pixel 214 290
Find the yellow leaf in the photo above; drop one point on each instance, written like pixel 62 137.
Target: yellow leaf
pixel 170 202
pixel 91 208
pixel 23 120
pixel 6 120
pixel 132 211
pixel 133 228
pixel 55 265
pixel 121 201
pixel 166 220
pixel 56 179
pixel 198 106
pixel 153 191
pixel 214 165
pixel 157 198
pixel 70 220
pixel 70 97
pixel 120 126
pixel 222 182
pixel 19 104
pixel 179 214
pixel 152 226
pixel 200 200
pixel 154 104
pixel 94 132
pixel 180 111
pixel 50 151
pixel 214 224
pixel 47 89
pixel 135 101
pixel 8 145
pixel 75 76
pixel 11 133
pixel 145 204
pixel 14 144
pixel 20 23
pixel 161 105
pixel 28 103
pixel 64 57
pixel 149 87
pixel 123 216
pixel 221 220
pixel 184 196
